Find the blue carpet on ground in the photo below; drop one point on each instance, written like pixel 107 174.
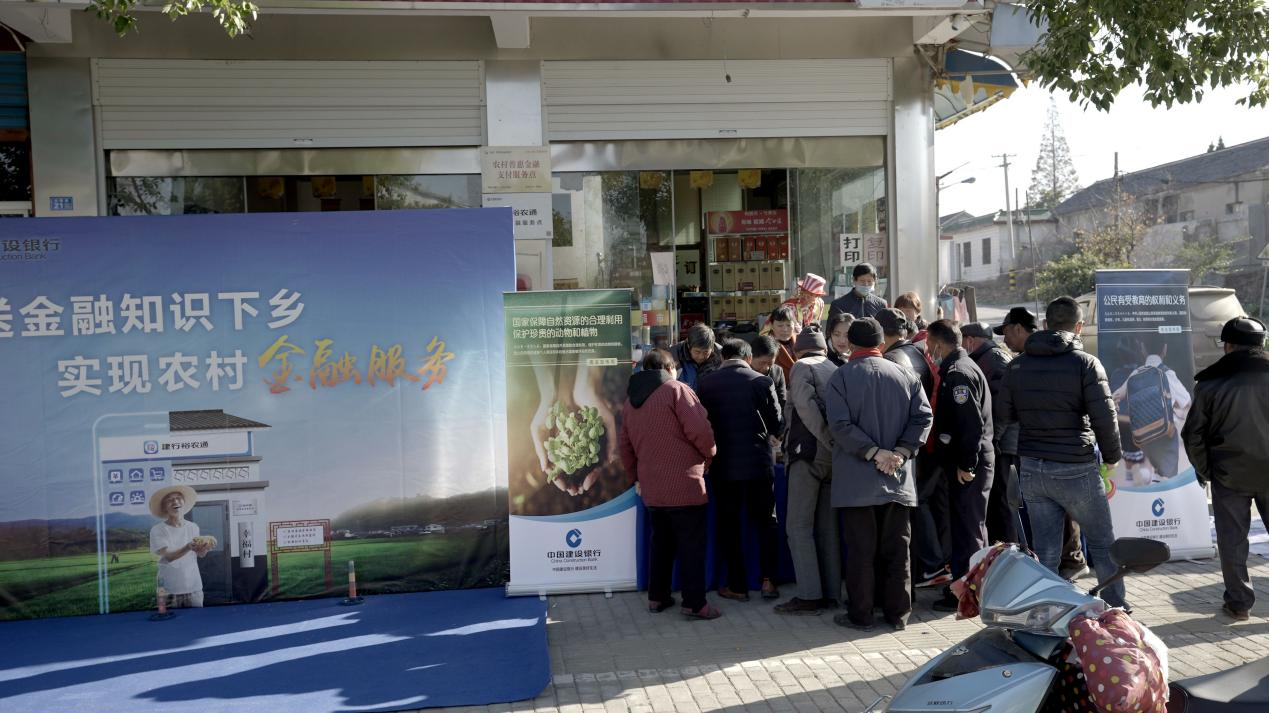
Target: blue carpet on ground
pixel 395 652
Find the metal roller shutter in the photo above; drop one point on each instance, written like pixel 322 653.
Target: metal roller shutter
pixel 693 99
pixel 193 104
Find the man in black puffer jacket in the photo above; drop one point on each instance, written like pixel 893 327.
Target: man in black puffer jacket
pixel 1061 400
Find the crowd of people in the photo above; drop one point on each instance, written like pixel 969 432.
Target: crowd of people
pixel 910 446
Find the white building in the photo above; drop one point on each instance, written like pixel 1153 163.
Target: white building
pixel 980 248
pixel 1218 194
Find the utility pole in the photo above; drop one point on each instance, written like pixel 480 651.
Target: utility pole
pixel 1118 195
pixel 1035 257
pixel 1013 241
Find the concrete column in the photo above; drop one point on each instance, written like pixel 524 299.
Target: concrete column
pixel 513 104
pixel 914 252
pixel 64 152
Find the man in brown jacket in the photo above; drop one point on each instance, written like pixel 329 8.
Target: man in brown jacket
pixel 666 443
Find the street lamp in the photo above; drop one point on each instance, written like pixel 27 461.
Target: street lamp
pixel 971 179
pixel 938 191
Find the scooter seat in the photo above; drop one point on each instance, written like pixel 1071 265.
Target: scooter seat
pixel 1245 688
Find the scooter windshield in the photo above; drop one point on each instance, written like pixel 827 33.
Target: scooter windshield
pixel 1019 593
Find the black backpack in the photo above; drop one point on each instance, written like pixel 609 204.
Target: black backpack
pixel 1150 409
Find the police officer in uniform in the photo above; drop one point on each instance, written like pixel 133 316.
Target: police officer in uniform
pixel 962 438
pixel 1004 521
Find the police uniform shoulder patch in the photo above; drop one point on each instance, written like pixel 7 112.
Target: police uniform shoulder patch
pixel 960 394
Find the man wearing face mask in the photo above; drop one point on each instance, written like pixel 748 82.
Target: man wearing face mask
pixel 860 301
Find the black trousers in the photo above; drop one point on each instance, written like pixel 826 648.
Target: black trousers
pixel 931 526
pixel 1232 510
pixel 969 515
pixel 1004 521
pixel 756 499
pixel 678 533
pixel 878 565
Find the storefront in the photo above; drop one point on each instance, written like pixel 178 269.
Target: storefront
pixel 704 162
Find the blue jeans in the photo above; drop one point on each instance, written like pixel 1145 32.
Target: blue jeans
pixel 1052 490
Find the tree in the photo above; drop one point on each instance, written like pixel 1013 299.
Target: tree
pixel 1121 230
pixel 1203 257
pixel 235 16
pixel 1054 177
pixel 1096 48
pixel 1071 275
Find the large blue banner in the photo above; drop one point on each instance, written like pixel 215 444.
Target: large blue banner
pixel 212 409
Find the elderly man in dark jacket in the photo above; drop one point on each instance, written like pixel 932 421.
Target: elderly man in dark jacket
pixel 666 443
pixel 879 418
pixel 1061 400
pixel 745 415
pixel 962 446
pixel 1004 523
pixel 1227 439
pixel 697 355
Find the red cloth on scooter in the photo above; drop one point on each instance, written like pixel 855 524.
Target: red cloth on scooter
pixel 1122 672
pixel 969 588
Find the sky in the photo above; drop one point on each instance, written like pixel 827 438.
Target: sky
pixel 1143 136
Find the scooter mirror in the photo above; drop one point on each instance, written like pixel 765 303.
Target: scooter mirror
pixel 1139 554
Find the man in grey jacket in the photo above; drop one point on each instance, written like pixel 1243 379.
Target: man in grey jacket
pixel 811 524
pixel 879 418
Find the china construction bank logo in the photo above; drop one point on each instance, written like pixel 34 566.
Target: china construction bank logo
pixel 1157 507
pixel 573 539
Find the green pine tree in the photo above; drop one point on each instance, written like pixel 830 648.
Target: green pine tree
pixel 1054 179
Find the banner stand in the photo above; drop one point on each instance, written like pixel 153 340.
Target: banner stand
pixel 573 509
pixel 1144 341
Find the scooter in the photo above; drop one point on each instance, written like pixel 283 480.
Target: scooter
pixel 1244 689
pixel 1011 666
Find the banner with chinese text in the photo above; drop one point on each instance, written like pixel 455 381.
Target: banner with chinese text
pixel 573 512
pixel 1145 343
pixel 218 406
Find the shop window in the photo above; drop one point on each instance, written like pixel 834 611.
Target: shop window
pixel 309 194
pixel 967 254
pixel 607 227
pixel 401 192
pixel 175 196
pixel 840 218
pixel 986 251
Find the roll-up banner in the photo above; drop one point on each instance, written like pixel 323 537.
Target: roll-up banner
pixel 573 511
pixel 1145 343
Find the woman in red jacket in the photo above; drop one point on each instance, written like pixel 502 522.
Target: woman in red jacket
pixel 666 444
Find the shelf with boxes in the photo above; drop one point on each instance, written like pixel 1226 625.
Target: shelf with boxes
pixel 748 271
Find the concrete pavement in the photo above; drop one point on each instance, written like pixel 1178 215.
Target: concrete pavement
pixel 612 656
